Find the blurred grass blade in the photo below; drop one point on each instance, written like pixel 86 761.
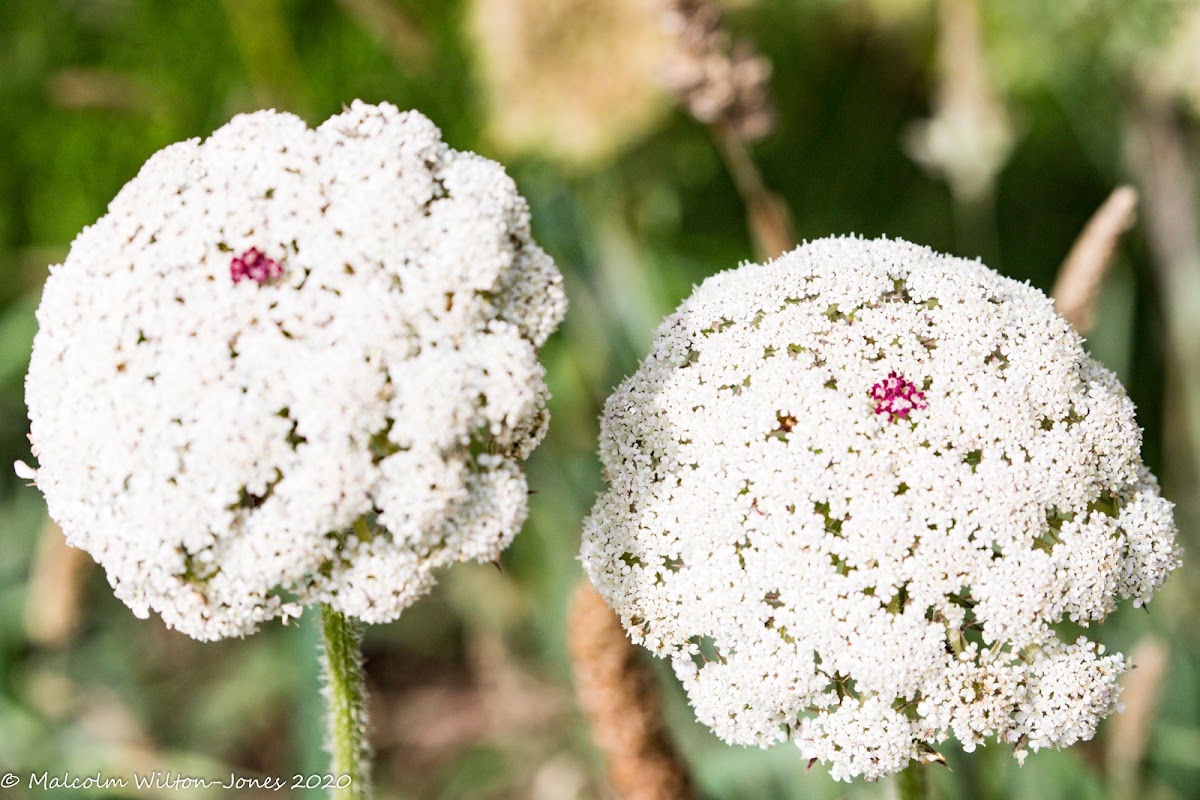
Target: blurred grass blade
pixel 260 32
pixel 392 28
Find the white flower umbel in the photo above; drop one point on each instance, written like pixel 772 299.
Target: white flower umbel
pixel 852 491
pixel 293 366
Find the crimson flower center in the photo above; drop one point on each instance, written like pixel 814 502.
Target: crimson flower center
pixel 896 396
pixel 254 265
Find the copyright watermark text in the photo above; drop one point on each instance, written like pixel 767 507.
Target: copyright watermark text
pixel 160 781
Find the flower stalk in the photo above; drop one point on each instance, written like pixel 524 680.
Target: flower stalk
pixel 350 765
pixel 723 84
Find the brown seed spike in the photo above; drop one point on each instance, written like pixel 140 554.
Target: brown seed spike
pixel 620 697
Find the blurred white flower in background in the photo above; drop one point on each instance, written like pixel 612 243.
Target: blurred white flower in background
pixel 851 492
pixel 574 80
pixel 1174 72
pixel 293 366
pixel 969 137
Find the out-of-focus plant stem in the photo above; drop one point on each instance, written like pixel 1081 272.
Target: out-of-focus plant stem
pixel 1129 732
pixel 56 585
pixel 724 85
pixel 621 700
pixel 346 708
pixel 766 213
pixel 1163 164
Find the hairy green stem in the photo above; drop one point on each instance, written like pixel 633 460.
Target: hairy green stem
pixel 913 783
pixel 350 768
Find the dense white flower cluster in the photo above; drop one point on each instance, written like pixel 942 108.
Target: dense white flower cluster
pixel 854 491
pixel 294 365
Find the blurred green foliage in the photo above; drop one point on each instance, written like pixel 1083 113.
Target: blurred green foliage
pixel 472 685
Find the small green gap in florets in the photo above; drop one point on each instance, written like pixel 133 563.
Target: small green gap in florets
pixel 899 600
pixel 282 593
pixel 482 443
pixel 1073 416
pixel 381 445
pixel 738 548
pixel 908 707
pixel 844 686
pixel 899 292
pixel 1051 537
pixel 1107 504
pixel 737 388
pixel 193 573
pixel 1070 630
pixel 246 500
pixel 841 565
pixel 708 651
pixel 784 423
pixel 365 529
pixel 630 560
pixel 724 323
pixel 832 524
pixel 971 632
pixel 294 439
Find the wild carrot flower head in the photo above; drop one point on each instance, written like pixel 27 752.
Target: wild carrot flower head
pixel 292 366
pixel 852 491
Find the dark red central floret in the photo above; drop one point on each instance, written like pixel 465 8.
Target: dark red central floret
pixel 896 397
pixel 254 265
